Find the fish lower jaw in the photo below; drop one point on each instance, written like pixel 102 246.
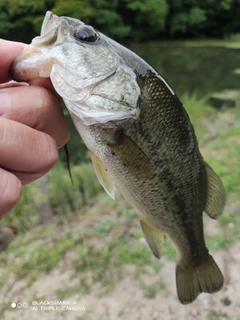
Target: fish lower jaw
pixel 31 64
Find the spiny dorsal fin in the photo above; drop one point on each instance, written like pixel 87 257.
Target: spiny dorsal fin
pixel 216 195
pixel 103 176
pixel 154 237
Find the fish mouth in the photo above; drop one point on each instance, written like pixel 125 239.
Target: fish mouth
pixel 20 70
pixel 32 63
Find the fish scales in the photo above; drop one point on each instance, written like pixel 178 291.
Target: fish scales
pixel 140 140
pixel 174 191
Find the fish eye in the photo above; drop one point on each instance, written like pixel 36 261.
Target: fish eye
pixel 86 34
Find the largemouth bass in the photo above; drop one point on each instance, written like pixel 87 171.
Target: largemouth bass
pixel 140 140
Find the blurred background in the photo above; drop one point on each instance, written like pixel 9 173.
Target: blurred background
pixel 72 242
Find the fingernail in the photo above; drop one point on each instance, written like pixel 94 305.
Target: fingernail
pixel 4 103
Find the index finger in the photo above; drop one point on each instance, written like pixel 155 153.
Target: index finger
pixel 8 51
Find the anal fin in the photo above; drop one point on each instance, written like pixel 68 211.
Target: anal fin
pixel 154 237
pixel 103 176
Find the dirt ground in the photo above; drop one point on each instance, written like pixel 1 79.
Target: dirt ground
pixel 127 300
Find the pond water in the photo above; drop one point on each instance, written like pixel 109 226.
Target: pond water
pixel 192 67
pixel 205 69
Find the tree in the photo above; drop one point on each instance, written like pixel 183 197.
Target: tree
pixel 216 18
pixel 20 19
pixel 147 17
pixel 125 19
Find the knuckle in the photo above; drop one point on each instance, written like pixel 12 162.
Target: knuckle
pixel 50 154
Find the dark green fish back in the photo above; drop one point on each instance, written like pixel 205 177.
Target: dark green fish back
pixel 166 136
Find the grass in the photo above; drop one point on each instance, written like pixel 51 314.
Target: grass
pixel 34 257
pixel 103 238
pixel 150 291
pixel 82 286
pixel 212 316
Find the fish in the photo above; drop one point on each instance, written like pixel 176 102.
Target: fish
pixel 140 139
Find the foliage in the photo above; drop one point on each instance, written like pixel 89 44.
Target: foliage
pixel 118 18
pixel 20 20
pixel 148 17
pixel 203 18
pixel 183 22
pixel 121 19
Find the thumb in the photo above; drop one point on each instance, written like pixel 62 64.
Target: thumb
pixel 8 51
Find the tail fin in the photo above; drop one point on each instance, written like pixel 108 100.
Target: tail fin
pixel 191 281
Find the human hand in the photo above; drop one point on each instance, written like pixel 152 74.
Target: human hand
pixel 32 128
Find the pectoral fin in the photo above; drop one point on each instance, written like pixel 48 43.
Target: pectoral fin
pixel 103 176
pixel 132 157
pixel 154 237
pixel 216 195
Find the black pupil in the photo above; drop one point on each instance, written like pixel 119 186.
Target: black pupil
pixel 86 34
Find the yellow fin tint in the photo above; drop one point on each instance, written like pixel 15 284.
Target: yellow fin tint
pixel 132 157
pixel 216 195
pixel 191 281
pixel 153 236
pixel 103 176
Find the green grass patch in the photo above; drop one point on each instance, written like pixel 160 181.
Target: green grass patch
pixel 151 290
pixel 212 316
pixel 35 257
pixel 81 287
